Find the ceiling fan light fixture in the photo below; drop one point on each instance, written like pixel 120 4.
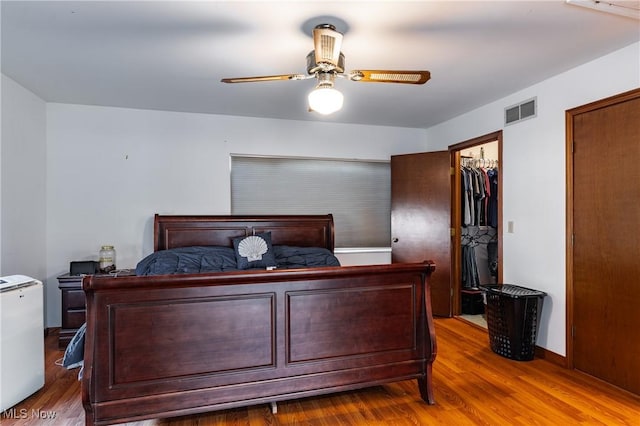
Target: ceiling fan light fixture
pixel 325 100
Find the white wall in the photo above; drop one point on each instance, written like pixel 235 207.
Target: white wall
pixel 23 182
pixel 111 169
pixel 534 180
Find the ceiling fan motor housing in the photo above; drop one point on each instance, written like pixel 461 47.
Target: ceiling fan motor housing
pixel 327 45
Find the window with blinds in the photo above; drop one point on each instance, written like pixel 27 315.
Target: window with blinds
pixel 357 193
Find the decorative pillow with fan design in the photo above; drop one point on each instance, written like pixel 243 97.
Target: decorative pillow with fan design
pixel 254 251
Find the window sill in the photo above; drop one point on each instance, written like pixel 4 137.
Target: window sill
pixel 350 250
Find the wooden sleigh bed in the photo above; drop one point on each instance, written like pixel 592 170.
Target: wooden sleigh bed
pixel 171 345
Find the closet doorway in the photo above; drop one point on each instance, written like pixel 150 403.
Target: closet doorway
pixel 426 214
pixel 476 216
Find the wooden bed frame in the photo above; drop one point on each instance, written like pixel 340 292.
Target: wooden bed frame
pixel 171 345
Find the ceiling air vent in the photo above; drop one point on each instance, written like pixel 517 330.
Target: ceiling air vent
pixel 521 111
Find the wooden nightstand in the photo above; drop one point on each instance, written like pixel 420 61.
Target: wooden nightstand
pixel 74 310
pixel 73 307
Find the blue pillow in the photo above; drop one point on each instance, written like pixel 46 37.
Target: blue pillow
pixel 254 251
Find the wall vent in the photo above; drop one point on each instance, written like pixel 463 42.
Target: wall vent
pixel 521 111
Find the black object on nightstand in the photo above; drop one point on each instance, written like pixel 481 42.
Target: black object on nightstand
pixel 84 267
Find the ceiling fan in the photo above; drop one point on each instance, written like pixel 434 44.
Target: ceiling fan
pixel 326 63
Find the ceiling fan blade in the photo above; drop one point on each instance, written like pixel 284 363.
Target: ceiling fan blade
pixel 327 42
pixel 265 78
pixel 388 76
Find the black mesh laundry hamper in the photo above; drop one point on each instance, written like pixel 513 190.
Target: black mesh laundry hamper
pixel 512 319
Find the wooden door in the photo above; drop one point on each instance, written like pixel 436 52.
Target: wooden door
pixel 606 234
pixel 421 216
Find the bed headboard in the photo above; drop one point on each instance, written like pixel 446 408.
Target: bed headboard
pixel 300 230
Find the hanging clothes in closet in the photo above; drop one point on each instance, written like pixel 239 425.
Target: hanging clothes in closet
pixel 479 201
pixel 479 192
pixel 479 257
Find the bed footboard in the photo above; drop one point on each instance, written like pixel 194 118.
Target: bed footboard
pixel 174 345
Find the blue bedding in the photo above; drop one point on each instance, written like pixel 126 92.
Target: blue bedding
pixel 188 260
pixel 288 257
pixel 204 259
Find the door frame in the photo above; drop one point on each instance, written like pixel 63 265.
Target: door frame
pixel 456 208
pixel 569 122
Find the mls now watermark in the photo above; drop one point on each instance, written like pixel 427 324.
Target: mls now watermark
pixel 24 413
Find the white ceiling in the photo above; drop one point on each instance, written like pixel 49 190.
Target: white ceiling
pixel 171 55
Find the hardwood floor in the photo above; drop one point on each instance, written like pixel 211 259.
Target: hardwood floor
pixel 473 386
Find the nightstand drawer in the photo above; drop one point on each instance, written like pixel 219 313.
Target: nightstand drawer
pixel 75 318
pixel 74 299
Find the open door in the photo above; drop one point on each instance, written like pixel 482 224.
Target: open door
pixel 421 216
